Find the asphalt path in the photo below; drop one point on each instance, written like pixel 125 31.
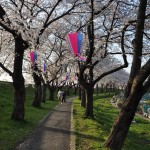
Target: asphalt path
pixel 54 132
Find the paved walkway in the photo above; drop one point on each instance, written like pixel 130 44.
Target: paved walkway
pixel 54 133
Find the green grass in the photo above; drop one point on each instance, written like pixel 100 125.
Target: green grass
pixel 91 134
pixel 11 132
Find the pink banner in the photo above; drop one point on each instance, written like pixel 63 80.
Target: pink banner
pixel 73 41
pixel 32 56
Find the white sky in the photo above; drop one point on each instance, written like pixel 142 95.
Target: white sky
pixel 129 59
pixel 5 77
pixel 29 79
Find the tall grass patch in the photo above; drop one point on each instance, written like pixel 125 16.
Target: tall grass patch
pixel 12 132
pixel 92 133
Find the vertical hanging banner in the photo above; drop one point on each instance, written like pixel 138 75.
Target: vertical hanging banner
pixel 75 42
pixel 44 67
pixel 33 56
pixel 79 42
pixel 67 77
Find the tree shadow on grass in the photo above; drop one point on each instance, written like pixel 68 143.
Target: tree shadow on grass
pixel 90 137
pixel 105 117
pixel 137 140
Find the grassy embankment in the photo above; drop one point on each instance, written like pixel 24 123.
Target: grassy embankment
pixel 12 132
pixel 91 134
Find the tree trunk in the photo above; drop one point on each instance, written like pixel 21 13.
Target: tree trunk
pixel 89 104
pixel 19 99
pixel 75 89
pixel 44 92
pixel 121 126
pixel 38 90
pixel 67 91
pixel 79 92
pixel 83 98
pixel 97 89
pixel 37 96
pixel 18 80
pixel 137 85
pixel 51 93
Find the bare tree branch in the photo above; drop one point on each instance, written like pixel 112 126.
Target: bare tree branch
pixel 5 69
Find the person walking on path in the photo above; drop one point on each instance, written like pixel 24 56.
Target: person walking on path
pixel 63 96
pixel 54 133
pixel 59 95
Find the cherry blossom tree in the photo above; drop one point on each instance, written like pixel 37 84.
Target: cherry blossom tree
pixel 99 47
pixel 27 21
pixel 138 83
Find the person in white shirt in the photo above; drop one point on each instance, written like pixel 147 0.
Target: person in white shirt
pixel 59 95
